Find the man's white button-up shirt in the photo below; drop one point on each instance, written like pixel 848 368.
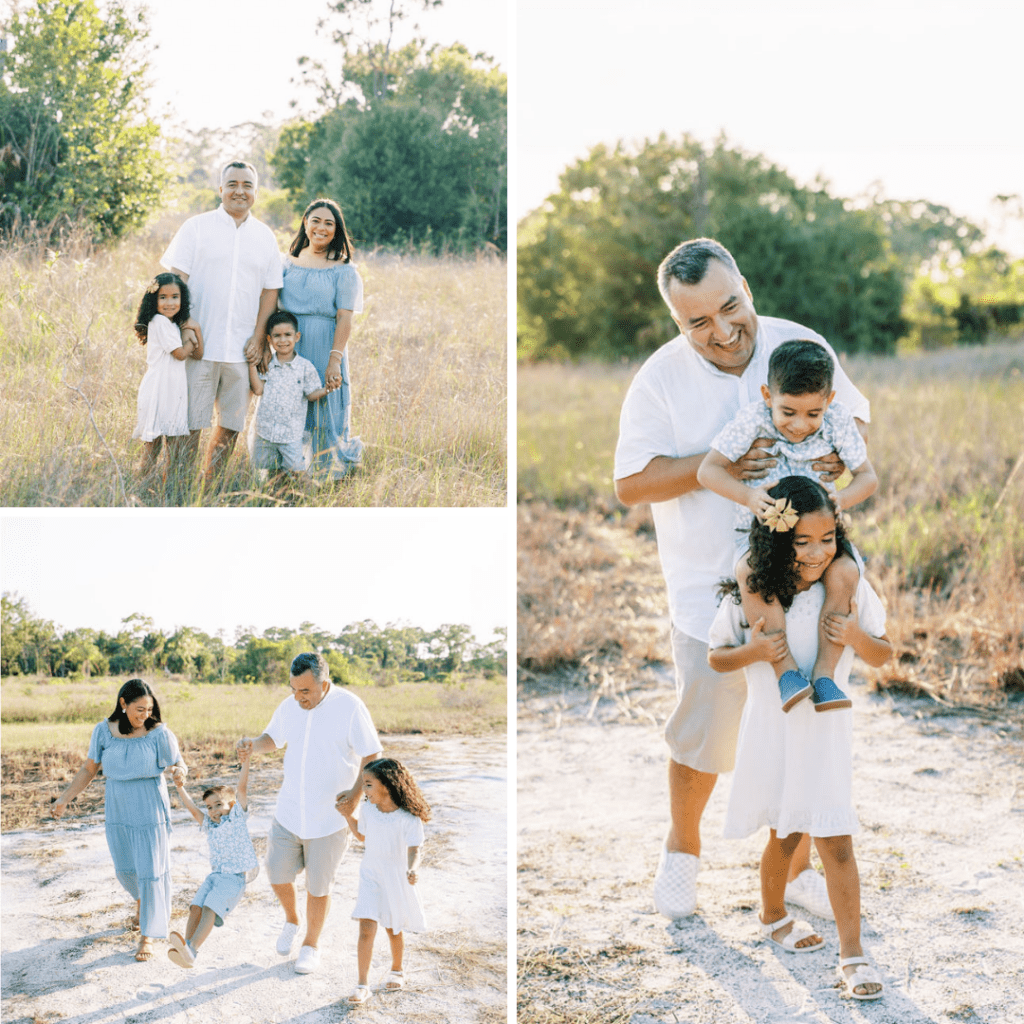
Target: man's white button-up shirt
pixel 228 266
pixel 325 747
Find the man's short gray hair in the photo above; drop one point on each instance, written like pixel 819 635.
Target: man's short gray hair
pixel 240 163
pixel 311 662
pixel 688 263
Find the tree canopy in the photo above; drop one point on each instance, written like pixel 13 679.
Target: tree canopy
pixel 76 144
pixel 412 142
pixel 359 653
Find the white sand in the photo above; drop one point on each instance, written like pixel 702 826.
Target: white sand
pixel 66 957
pixel 941 856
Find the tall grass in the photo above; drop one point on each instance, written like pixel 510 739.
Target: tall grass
pixel 944 534
pixel 428 363
pixel 39 714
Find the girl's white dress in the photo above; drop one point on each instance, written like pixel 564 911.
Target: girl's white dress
pixel 385 895
pixel 163 393
pixel 793 770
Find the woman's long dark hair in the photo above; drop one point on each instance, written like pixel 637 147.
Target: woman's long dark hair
pixel 147 307
pixel 395 778
pixel 772 557
pixel 340 246
pixel 129 693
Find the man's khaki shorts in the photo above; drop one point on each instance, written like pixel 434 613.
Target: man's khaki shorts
pixel 224 385
pixel 702 731
pixel 287 855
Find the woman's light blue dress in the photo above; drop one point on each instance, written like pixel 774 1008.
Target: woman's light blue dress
pixel 138 817
pixel 314 295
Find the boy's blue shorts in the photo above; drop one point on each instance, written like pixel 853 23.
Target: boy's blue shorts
pixel 220 892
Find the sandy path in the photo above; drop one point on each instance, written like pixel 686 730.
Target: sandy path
pixel 941 855
pixel 66 958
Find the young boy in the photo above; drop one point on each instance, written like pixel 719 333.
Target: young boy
pixel 287 387
pixel 803 423
pixel 224 821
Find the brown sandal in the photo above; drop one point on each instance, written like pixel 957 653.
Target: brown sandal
pixel 145 950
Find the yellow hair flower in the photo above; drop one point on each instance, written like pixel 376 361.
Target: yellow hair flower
pixel 154 287
pixel 781 517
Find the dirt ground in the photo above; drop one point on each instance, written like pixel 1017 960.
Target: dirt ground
pixel 941 853
pixel 67 958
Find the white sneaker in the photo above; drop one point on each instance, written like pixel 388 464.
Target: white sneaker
pixel 808 890
pixel 675 884
pixel 287 938
pixel 309 960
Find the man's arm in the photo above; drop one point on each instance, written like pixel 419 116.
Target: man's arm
pixel 665 477
pixel 263 744
pixel 347 800
pixel 257 344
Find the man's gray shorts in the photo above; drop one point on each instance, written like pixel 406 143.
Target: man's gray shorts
pixel 702 731
pixel 287 855
pixel 225 385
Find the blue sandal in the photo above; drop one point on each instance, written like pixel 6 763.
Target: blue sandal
pixel 828 696
pixel 793 687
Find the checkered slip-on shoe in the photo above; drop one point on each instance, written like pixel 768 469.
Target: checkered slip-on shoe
pixel 675 884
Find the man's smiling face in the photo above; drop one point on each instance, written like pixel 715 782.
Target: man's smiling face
pixel 716 317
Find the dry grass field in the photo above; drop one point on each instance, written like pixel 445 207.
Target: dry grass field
pixel 429 383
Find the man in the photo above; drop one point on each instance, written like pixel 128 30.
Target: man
pixel 329 738
pixel 233 269
pixel 681 397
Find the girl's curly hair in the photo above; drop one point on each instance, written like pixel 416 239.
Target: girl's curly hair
pixel 772 558
pixel 395 778
pixel 148 310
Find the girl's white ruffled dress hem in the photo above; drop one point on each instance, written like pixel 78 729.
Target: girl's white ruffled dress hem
pixel 793 770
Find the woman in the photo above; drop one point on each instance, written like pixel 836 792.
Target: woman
pixel 134 748
pixel 323 289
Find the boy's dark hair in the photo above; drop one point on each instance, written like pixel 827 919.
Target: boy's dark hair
pixel 282 316
pixel 130 693
pixel 800 368
pixel 147 307
pixel 217 790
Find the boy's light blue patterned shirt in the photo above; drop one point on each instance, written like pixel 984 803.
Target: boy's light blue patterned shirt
pixel 231 849
pixel 281 415
pixel 838 432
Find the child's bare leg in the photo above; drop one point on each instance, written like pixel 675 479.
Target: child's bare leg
pixel 774 870
pixel 364 948
pixel 843 881
pixel 203 929
pixel 150 456
pixel 840 579
pixel 755 607
pixel 397 950
pixel 194 915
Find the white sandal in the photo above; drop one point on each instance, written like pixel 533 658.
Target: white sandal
pixel 394 981
pixel 801 930
pixel 359 995
pixel 864 975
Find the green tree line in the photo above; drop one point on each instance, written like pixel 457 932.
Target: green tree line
pixel 360 653
pixel 866 275
pixel 412 141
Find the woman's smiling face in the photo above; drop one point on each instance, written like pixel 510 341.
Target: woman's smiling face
pixel 138 711
pixel 320 227
pixel 814 544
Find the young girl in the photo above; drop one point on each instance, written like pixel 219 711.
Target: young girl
pixel 793 771
pixel 163 393
pixel 392 817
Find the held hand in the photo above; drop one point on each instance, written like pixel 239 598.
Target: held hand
pixel 244 746
pixel 842 629
pixel 411 875
pixel 829 467
pixel 345 803
pixel 332 374
pixel 770 647
pixel 755 463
